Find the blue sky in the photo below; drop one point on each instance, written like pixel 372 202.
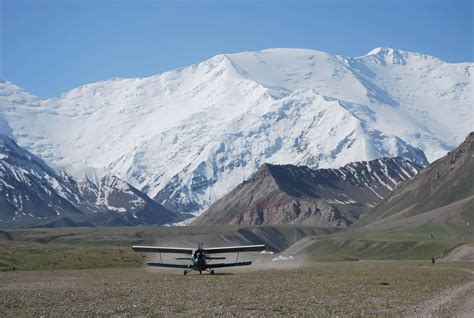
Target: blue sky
pixel 49 47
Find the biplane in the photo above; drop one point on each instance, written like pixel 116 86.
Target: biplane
pixel 201 258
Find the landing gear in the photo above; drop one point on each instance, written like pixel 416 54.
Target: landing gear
pixel 210 271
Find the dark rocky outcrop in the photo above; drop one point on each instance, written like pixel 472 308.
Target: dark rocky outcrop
pixel 286 194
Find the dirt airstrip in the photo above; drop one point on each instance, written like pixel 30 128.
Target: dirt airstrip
pixel 361 288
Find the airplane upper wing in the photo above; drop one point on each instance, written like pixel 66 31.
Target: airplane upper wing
pixel 158 249
pixel 235 249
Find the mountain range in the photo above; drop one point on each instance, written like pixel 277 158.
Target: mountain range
pixel 187 137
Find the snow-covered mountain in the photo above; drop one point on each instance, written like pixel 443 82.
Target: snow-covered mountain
pixel 34 194
pixel 188 136
pixel 28 185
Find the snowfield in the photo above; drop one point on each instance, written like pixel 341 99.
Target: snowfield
pixel 188 136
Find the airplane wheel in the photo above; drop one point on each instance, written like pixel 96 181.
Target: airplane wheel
pixel 212 272
pixel 200 272
pixel 185 273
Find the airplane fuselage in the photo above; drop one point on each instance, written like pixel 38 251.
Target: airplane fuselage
pixel 199 261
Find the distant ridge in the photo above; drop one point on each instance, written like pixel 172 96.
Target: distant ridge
pixel 287 194
pixel 442 194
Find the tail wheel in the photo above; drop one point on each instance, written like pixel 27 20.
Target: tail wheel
pixel 185 272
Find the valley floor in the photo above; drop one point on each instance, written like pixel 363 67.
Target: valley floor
pixel 357 288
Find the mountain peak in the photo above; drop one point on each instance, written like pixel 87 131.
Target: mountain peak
pixel 265 171
pixel 396 56
pixel 382 50
pixel 470 137
pixel 265 168
pixel 389 55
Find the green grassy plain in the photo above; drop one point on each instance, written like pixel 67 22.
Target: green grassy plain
pixel 76 248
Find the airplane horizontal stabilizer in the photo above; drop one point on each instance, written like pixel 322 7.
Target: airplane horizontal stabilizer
pixel 215 257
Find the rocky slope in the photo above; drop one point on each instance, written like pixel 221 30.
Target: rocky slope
pixel 442 194
pixel 286 194
pixel 34 194
pixel 188 136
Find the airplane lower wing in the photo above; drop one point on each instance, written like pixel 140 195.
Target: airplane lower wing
pixel 167 265
pixel 228 264
pixel 159 249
